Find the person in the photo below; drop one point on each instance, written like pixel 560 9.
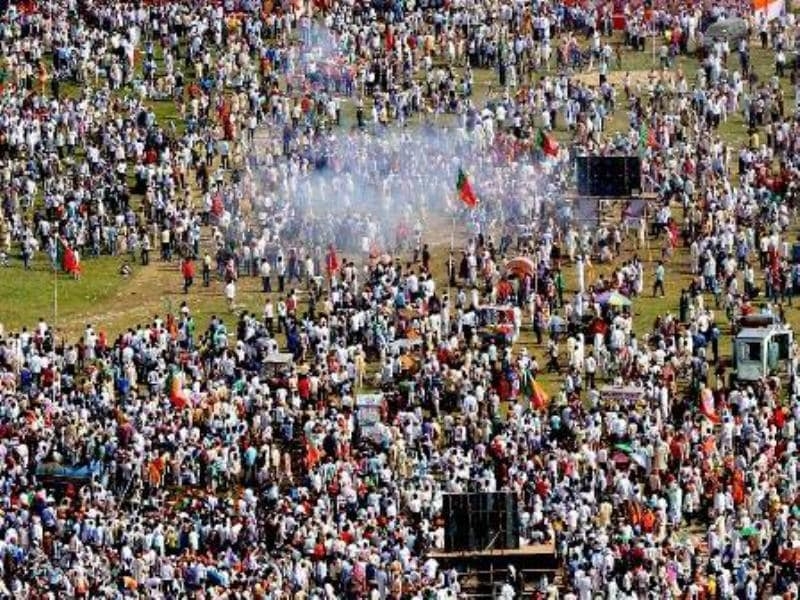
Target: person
pixel 658 279
pixel 269 315
pixel 283 314
pixel 187 270
pixel 309 269
pixel 265 269
pixel 683 306
pixel 281 269
pixel 560 286
pixel 552 354
pixel 590 364
pixel 166 244
pixel 230 293
pixel 27 254
pixel 145 248
pixel 206 269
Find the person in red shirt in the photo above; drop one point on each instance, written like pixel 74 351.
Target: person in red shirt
pixel 187 270
pixel 346 536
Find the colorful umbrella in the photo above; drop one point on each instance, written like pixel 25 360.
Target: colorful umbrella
pixel 613 298
pixel 521 265
pixel 620 458
pixel 748 531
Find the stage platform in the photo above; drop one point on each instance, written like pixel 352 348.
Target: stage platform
pixel 483 572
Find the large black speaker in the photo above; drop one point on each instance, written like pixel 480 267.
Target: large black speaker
pixel 480 521
pixel 608 176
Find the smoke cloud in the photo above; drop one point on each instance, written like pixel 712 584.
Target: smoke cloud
pixel 365 189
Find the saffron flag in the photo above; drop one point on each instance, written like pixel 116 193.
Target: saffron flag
pixel 647 137
pixel 175 390
pixel 465 191
pixel 539 398
pixel 707 407
pixel 547 143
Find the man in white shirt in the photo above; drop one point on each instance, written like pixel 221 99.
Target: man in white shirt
pixel 265 270
pixel 230 294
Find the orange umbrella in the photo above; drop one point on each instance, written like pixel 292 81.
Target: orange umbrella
pixel 522 265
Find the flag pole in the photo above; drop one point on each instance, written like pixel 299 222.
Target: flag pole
pixel 55 298
pixel 453 233
pixel 54 349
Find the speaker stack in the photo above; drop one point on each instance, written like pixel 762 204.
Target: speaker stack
pixel 481 521
pixel 608 176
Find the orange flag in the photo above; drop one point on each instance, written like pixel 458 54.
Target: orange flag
pixel 539 398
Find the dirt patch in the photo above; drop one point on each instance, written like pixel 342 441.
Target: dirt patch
pixel 617 78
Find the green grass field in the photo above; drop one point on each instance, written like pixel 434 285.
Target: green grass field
pixel 42 293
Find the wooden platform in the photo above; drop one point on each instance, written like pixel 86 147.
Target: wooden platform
pixel 483 572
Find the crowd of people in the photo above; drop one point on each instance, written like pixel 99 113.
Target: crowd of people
pixel 318 148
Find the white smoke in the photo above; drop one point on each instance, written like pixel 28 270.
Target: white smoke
pixel 358 188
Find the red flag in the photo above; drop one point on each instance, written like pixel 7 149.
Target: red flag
pixel 177 397
pixel 71 265
pixel 539 398
pixel 465 191
pixel 550 146
pixel 547 143
pixel 331 261
pixel 652 142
